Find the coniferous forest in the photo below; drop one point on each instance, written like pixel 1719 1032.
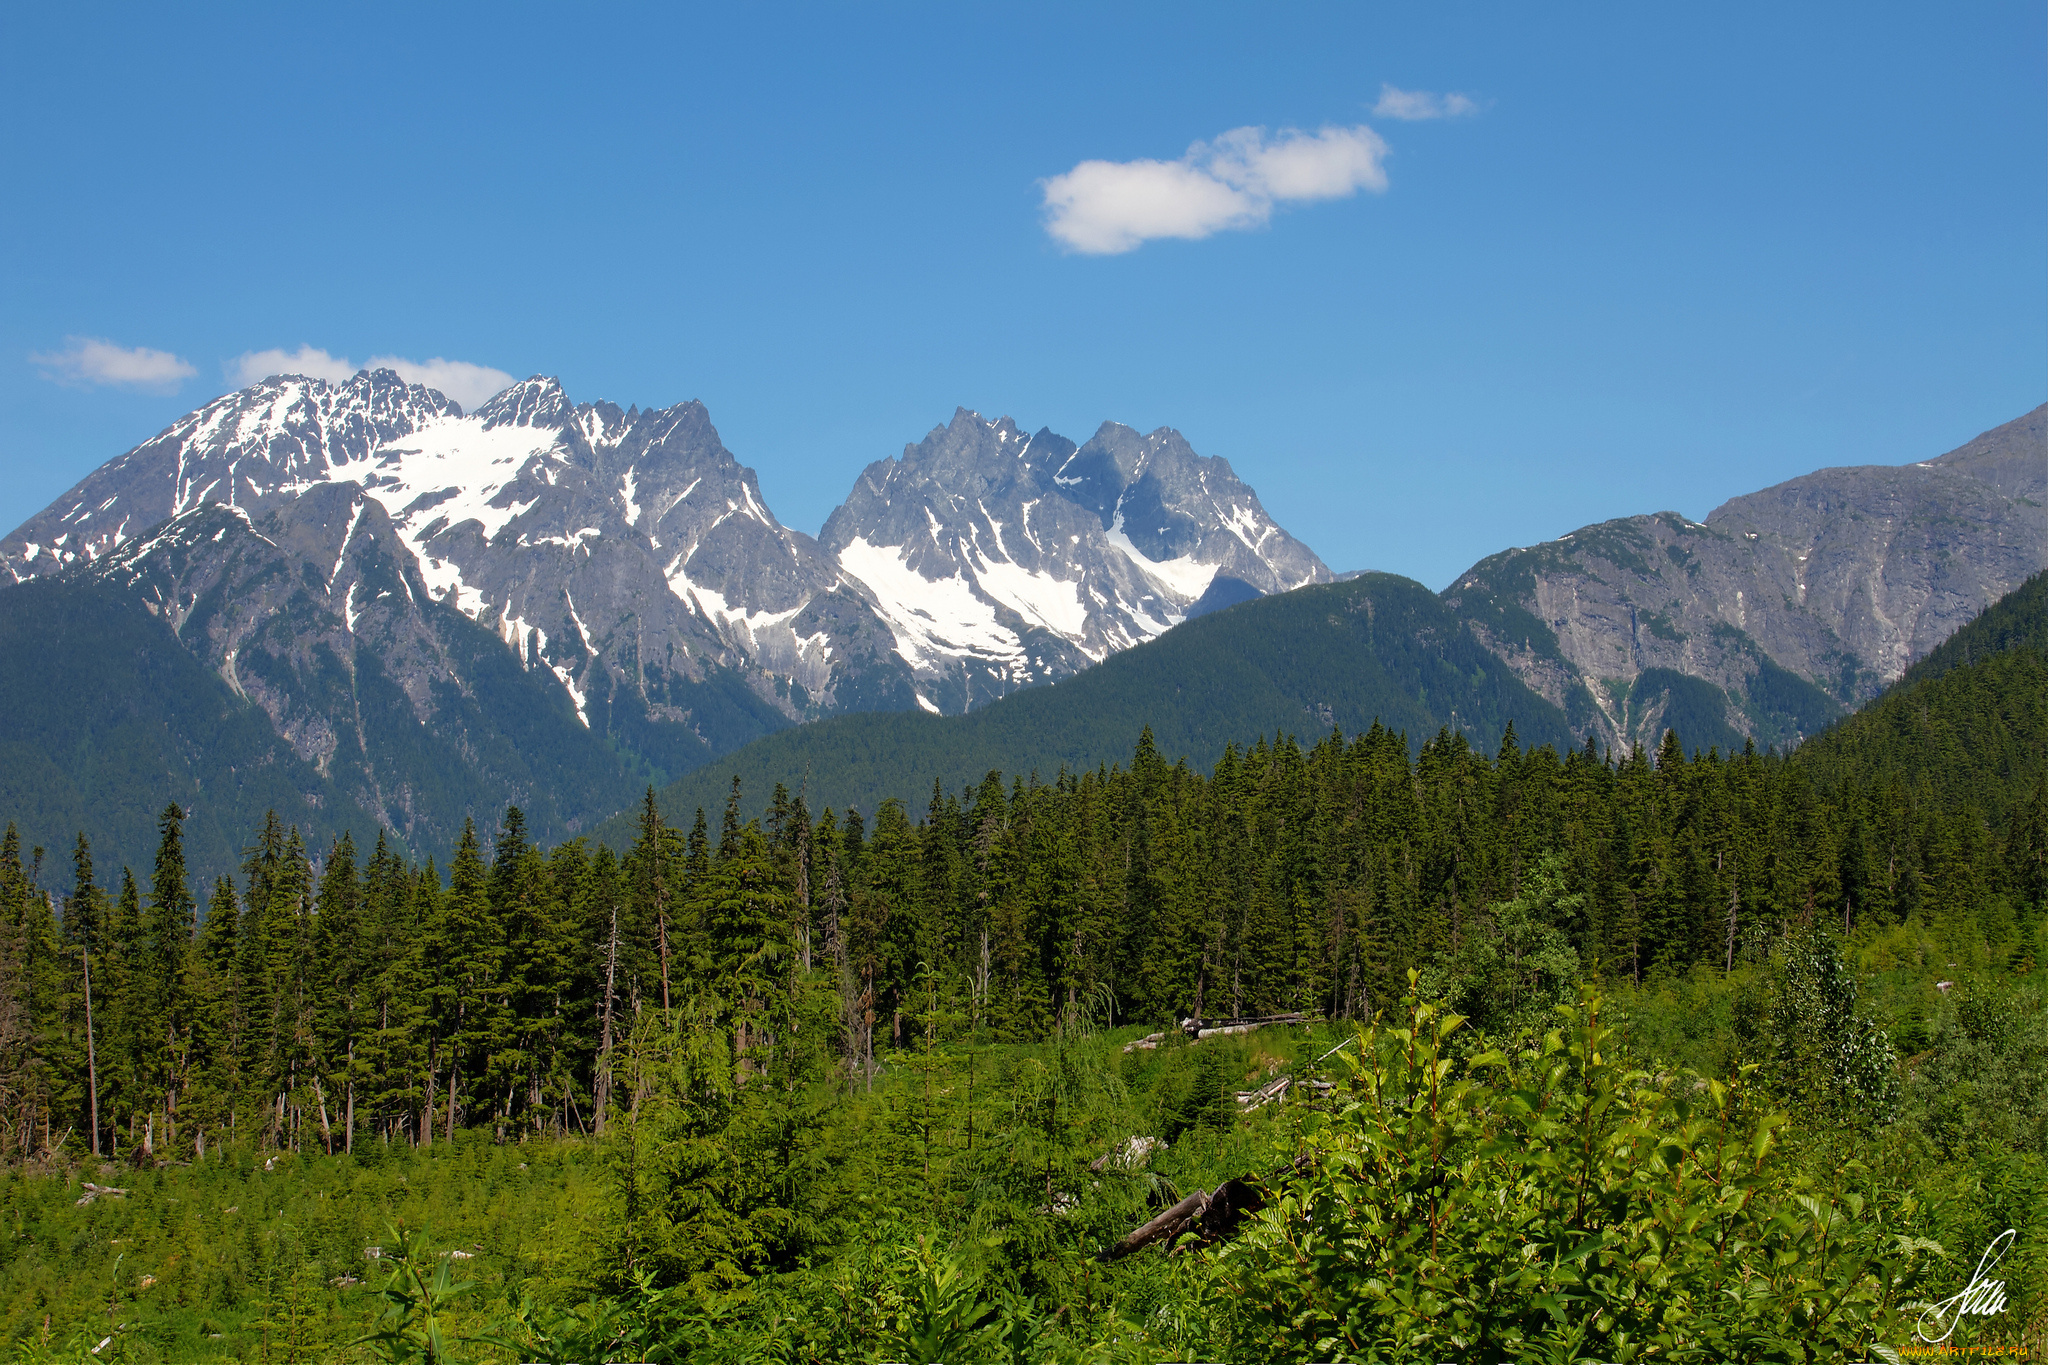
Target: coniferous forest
pixel 1657 1056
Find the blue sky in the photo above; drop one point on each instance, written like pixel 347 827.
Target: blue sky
pixel 1652 260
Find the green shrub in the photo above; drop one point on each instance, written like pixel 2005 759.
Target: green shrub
pixel 1560 1205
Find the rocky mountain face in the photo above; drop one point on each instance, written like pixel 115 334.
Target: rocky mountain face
pixel 316 613
pixel 1000 560
pixel 1789 605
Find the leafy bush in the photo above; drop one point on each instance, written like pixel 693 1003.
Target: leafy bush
pixel 1560 1205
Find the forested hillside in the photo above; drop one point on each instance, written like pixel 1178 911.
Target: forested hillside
pixel 867 1083
pixel 1966 728
pixel 1376 648
pixel 108 717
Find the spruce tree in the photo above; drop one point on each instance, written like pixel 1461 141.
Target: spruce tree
pixel 470 1023
pixel 163 1007
pixel 339 993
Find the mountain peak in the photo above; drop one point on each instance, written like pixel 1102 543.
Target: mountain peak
pixel 1000 560
pixel 535 402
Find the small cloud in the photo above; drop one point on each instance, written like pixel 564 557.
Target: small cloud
pixel 253 367
pixel 1414 106
pixel 1102 208
pixel 91 361
pixel 468 384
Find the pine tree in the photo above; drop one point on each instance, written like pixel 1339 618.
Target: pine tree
pixel 163 1020
pixel 468 990
pixel 281 965
pixel 85 933
pixel 220 1016
pixel 340 991
pixel 26 1079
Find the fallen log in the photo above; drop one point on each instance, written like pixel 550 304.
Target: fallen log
pixel 1212 1215
pixel 93 1192
pixel 1168 1225
pixel 1203 1028
pixel 1273 1090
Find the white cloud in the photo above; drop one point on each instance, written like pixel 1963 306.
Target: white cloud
pixel 466 383
pixel 469 385
pixel 253 367
pixel 89 360
pixel 1101 208
pixel 1413 106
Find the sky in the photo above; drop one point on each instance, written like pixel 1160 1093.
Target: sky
pixel 1437 279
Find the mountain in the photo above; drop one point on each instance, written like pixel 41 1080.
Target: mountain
pixel 632 557
pixel 1000 560
pixel 626 554
pixel 1377 647
pixel 295 659
pixel 437 612
pixel 1780 612
pixel 546 602
pixel 1964 728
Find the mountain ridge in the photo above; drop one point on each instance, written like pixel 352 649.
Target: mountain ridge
pixel 626 564
pixel 1795 602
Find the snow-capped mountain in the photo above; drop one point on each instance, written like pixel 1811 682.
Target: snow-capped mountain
pixel 625 552
pixel 630 557
pixel 1000 560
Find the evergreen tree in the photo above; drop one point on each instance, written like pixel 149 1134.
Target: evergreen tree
pixel 340 992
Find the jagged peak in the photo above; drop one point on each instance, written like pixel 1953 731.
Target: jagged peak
pixel 537 401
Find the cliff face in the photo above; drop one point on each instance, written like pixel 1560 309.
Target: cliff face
pixel 1789 604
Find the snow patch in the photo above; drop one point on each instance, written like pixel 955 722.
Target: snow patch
pixel 1183 577
pixel 626 497
pixel 341 555
pixel 1241 520
pixel 581 629
pixel 1039 597
pixel 448 473
pixel 575 540
pixel 576 695
pixel 933 620
pixel 711 604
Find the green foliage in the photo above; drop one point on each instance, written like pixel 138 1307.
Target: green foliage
pixel 1984 1088
pixel 941 1318
pixel 1819 1052
pixel 1515 963
pixel 1562 1204
pixel 418 1303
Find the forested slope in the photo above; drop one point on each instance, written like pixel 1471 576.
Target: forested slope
pixel 1342 655
pixel 1966 728
pixel 108 717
